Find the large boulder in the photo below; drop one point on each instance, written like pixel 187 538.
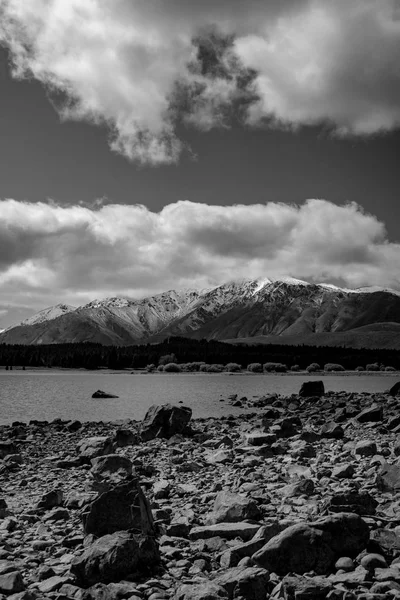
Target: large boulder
pixel 249 583
pixel 312 388
pixel 114 557
pixel 232 508
pixel 207 590
pixel 314 546
pixel 121 508
pixel 372 414
pixel 164 421
pixel 361 503
pixel 388 479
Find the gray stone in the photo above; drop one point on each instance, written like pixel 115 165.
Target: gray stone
pixel 366 448
pixel 110 464
pixel 7 447
pixel 207 590
pixel 51 499
pixel 332 430
pixel 121 508
pixel 11 583
pixel 312 388
pixel 315 546
pixel 101 394
pixel 388 478
pixel 249 583
pixel 113 557
pixel 92 447
pixel 228 531
pixel 372 414
pixel 233 508
pixel 164 421
pixel 361 503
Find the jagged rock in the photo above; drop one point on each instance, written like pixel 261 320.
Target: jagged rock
pixel 228 531
pixel 126 437
pixel 119 509
pixel 104 466
pixel 332 430
pixel 3 508
pixel 298 587
pixel 388 479
pixel 366 448
pixel 114 557
pixel 232 556
pixel 345 471
pixel 259 438
pixel 233 508
pixel 51 499
pixel 11 583
pixel 248 583
pixel 298 488
pixel 207 590
pixel 7 447
pixel 395 389
pixel 361 503
pixel 386 540
pixel 372 414
pixel 93 447
pixel 315 546
pixel 164 421
pixel 161 489
pixel 312 388
pixel 101 394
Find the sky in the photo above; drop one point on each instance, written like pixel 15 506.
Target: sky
pixel 148 145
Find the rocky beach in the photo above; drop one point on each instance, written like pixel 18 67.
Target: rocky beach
pixel 298 498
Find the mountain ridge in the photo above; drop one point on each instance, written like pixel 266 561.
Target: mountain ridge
pixel 245 309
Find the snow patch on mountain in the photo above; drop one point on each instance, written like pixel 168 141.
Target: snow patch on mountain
pixel 47 314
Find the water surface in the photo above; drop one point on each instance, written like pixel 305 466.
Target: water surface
pixel 51 394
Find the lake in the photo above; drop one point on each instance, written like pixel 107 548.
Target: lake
pixel 48 394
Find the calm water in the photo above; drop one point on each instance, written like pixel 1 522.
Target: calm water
pixel 47 395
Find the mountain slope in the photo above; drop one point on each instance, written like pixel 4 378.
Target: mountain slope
pixel 283 310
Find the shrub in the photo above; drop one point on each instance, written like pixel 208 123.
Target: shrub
pixel 313 368
pixel 272 367
pixel 160 368
pixel 193 366
pixel 390 369
pixel 204 368
pixel 373 367
pixel 166 359
pixel 333 367
pixel 172 368
pixel 233 368
pixel 151 368
pixel 295 368
pixel 215 368
pixel 255 367
pixel 359 369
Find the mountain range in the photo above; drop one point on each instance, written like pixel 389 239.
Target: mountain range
pixel 282 310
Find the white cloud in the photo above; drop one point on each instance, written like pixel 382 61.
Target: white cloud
pixel 118 62
pixel 73 254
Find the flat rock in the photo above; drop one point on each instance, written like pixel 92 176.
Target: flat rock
pixel 228 531
pixel 233 508
pixel 89 448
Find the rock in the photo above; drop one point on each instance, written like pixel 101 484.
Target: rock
pixel 7 447
pixel 11 583
pixel 312 388
pixel 51 499
pixel 395 389
pixel 52 584
pixel 352 578
pixel 388 478
pixel 3 508
pixel 361 503
pixel 109 464
pixel 207 590
pixel 248 583
pixel 372 414
pixel 232 556
pixel 101 394
pixel 233 508
pixel 373 561
pixel 161 489
pixel 302 487
pixel 126 437
pixel 296 587
pixel 345 563
pixel 386 540
pixel 366 448
pixel 228 531
pixel 332 430
pixel 315 546
pixel 259 438
pixel 92 447
pixel 121 508
pixel 345 471
pixel 114 557
pixel 165 421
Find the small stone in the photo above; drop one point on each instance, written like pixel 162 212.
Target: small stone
pixel 366 448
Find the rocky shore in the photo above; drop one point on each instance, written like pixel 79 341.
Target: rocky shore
pixel 298 499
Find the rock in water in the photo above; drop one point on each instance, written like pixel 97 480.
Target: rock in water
pixel 119 509
pixel 164 421
pixel 101 394
pixel 114 557
pixel 314 546
pixel 312 388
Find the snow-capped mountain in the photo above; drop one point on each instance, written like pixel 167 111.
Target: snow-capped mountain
pixel 284 307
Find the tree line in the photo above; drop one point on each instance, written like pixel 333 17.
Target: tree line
pixel 96 356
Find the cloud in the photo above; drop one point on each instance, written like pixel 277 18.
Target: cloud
pixel 142 67
pixel 74 254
